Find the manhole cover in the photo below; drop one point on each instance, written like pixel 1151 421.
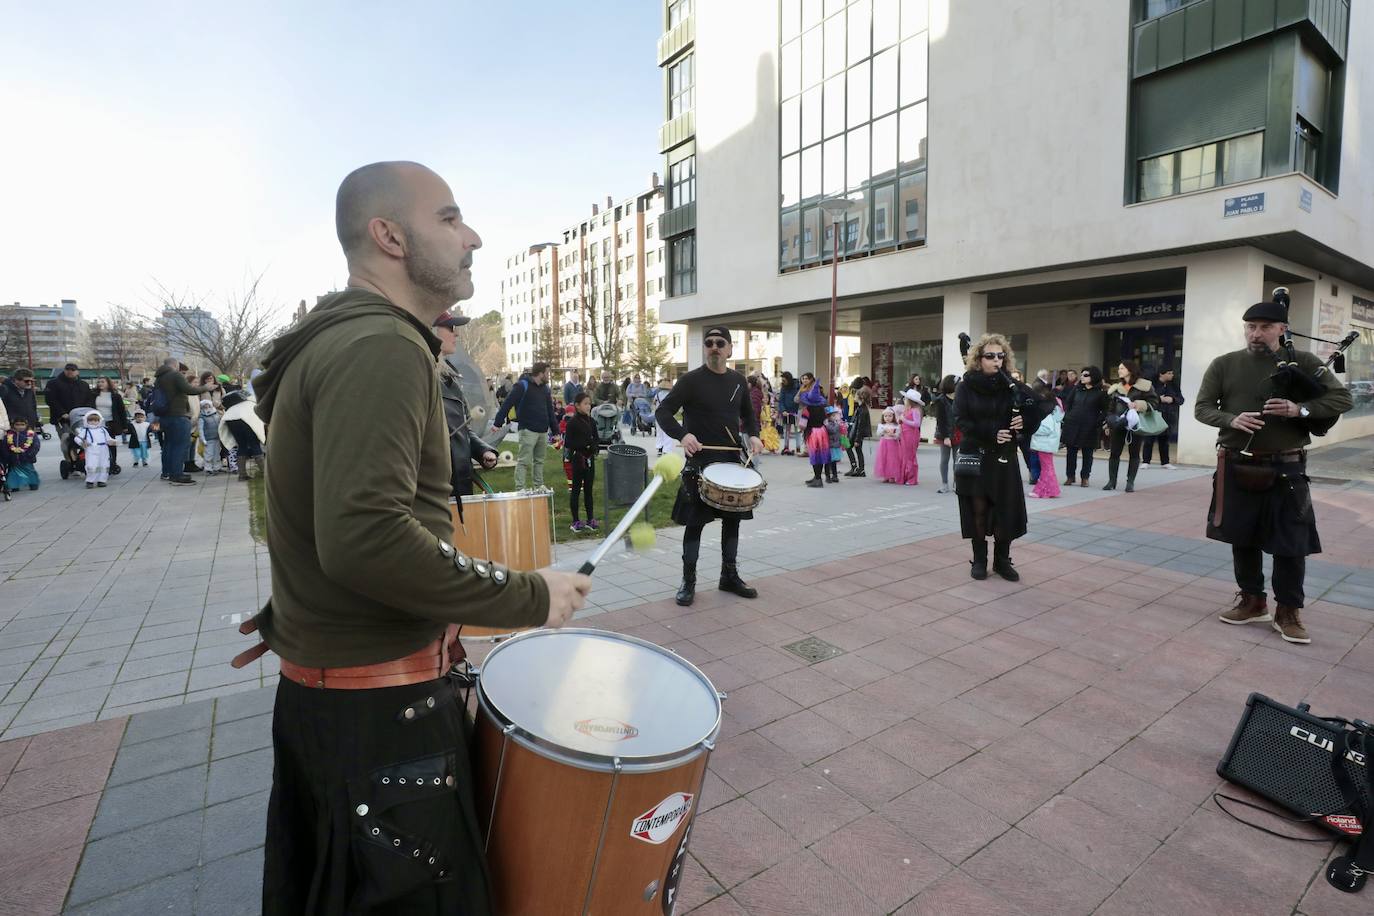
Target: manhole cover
pixel 813 649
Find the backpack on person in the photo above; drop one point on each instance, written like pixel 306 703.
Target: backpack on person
pixel 156 402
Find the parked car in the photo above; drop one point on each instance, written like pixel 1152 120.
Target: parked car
pixel 1362 392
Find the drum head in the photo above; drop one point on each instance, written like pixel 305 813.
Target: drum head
pixel 734 476
pixel 596 695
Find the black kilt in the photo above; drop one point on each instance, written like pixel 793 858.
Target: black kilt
pixel 1001 485
pixel 688 509
pixel 414 848
pixel 1280 521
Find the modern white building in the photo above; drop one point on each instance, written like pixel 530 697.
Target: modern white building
pixel 613 260
pixel 182 325
pixel 53 334
pixel 1096 179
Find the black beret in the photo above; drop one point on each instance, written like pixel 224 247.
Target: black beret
pixel 1266 311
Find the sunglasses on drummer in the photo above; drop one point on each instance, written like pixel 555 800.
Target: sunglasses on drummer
pixel 716 343
pixel 994 356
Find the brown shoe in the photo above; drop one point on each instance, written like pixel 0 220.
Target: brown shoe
pixel 1083 482
pixel 1289 625
pixel 1248 609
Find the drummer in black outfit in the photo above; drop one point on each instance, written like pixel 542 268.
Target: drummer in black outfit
pixel 715 401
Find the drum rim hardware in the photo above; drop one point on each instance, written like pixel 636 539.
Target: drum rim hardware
pixel 586 760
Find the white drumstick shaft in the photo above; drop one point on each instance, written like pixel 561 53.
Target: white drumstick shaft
pixel 619 531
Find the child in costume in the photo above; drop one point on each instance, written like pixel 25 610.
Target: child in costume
pixel 19 451
pixel 817 439
pixel 887 464
pixel 834 431
pixel 209 434
pixel 94 439
pixel 138 438
pixel 1045 443
pixel 911 436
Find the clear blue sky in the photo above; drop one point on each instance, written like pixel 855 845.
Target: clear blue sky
pixel 198 143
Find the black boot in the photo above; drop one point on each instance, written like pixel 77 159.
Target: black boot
pixel 979 569
pixel 1111 484
pixel 688 592
pixel 731 582
pixel 1001 562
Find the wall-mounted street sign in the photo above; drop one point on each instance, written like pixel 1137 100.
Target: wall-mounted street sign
pixel 1239 206
pixel 1305 199
pixel 1158 309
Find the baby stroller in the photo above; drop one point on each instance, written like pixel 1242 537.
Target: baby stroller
pixel 607 418
pixel 643 416
pixel 73 455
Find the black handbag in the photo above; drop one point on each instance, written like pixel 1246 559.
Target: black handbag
pixel 968 464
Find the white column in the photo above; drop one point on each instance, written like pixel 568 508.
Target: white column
pixel 1220 286
pixel 694 355
pixel 967 312
pixel 799 344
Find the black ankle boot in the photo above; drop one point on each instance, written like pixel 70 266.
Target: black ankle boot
pixel 688 592
pixel 731 582
pixel 1001 562
pixel 979 569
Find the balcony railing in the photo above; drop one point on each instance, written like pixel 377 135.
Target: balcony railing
pixel 1204 26
pixel 675 40
pixel 678 130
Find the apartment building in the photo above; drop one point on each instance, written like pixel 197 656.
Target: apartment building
pixel 1096 179
pixel 44 336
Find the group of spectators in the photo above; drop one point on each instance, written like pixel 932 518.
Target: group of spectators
pixel 183 411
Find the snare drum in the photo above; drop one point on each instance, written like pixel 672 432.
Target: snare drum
pixel 590 753
pixel 731 487
pixel 513 529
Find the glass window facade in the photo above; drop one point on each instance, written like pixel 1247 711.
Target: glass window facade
pixel 682 182
pixel 681 86
pixel 682 265
pixel 852 123
pixel 1201 167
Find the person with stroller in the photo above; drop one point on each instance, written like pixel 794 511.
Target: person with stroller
pixel 64 393
pixel 18 454
pixel 91 436
pixel 637 390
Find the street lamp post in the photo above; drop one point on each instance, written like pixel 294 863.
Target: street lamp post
pixel 836 209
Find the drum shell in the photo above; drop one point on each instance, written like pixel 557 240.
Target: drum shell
pixel 513 529
pixel 548 816
pixel 727 498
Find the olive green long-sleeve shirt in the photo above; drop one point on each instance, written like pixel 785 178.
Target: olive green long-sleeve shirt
pixel 357 495
pixel 1238 382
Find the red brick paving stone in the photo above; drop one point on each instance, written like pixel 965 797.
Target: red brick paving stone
pixel 803 885
pixel 724 905
pixel 807 686
pixel 1089 837
pixel 944 821
pixel 867 774
pixel 715 792
pixel 1071 665
pixel 695 624
pixel 1322 899
pixel 956 894
pixel 1274 866
pixel 807 805
pixel 912 614
pixel 921 747
pixel 1342 692
pixel 1177 882
pixel 726 643
pixel 767 661
pixel 1000 786
pixel 749 761
pixel 36 885
pixel 851 670
pixel 892 655
pixel 967 723
pixel 10 752
pixel 1023 693
pixel 1144 691
pixel 807 619
pixel 751 706
pixel 941 673
pixel 885 863
pixel 1094 722
pixel 40 831
pixel 50 747
pixel 737 841
pixel 858 714
pixel 900 693
pixel 960 627
pixel 726 676
pixel 1036 877
pixel 1115 646
pixel 696 887
pixel 807 736
pixel 1181 771
pixel 1135 804
pixel 60 781
pixel 981 659
pixel 849 635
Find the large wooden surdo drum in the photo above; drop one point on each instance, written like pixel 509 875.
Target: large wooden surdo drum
pixel 513 529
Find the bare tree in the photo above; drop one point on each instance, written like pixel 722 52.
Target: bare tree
pixel 13 344
pixel 601 318
pixel 482 340
pixel 125 341
pixel 231 339
pixel 650 356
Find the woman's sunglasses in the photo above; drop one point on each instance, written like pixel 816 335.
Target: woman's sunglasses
pixel 994 356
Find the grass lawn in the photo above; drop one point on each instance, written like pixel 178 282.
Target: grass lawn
pixel 503 480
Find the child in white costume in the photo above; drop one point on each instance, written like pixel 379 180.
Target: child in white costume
pixel 94 439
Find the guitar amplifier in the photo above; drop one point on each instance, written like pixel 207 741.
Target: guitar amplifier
pixel 1285 755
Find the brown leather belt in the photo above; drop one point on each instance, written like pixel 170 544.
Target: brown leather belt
pixel 1285 457
pixel 428 663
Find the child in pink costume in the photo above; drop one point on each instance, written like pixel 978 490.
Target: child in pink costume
pixel 1047 487
pixel 887 463
pixel 911 436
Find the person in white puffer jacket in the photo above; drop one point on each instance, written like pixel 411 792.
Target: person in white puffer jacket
pixel 242 432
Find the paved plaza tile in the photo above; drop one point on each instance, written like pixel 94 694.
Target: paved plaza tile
pixel 1043 747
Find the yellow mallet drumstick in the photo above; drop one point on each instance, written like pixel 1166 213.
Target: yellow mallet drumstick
pixel 669 467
